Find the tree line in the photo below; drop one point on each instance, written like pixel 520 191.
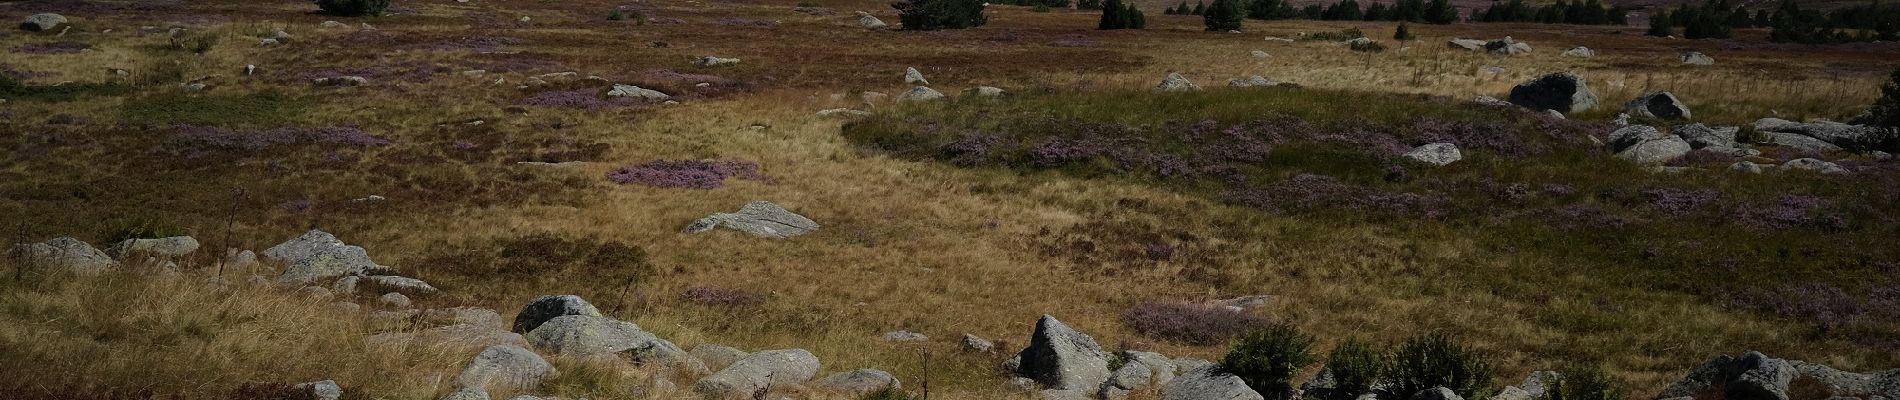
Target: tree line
pixel 1420 11
pixel 1717 19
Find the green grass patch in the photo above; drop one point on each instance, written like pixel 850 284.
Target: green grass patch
pixel 14 90
pixel 231 110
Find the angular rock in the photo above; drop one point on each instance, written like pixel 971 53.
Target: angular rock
pixel 393 299
pixel 1702 136
pixel 758 371
pixel 587 335
pixel 165 248
pixel 321 390
pixel 1663 105
pixel 1629 136
pixel 1207 382
pixel 974 343
pixel 1160 368
pixel 545 308
pixel 346 285
pixel 717 357
pixel 505 368
pixel 1563 91
pixel 1656 151
pixel 324 266
pixel 637 92
pixel 1513 393
pixel 1251 81
pixel 1467 44
pixel 919 94
pixel 859 382
pixel 1507 47
pixel 1800 142
pixel 913 77
pixel 63 253
pixel 1754 376
pixel 1745 167
pixel 1130 377
pixel 903 336
pixel 1539 382
pixel 986 91
pixel 869 22
pixel 1175 83
pixel 1851 137
pixel 1697 58
pixel 42 22
pixel 1059 357
pixel 1580 52
pixel 1437 393
pixel 1440 154
pixel 392 283
pixel 759 218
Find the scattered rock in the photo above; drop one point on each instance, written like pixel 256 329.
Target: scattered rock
pixel 859 382
pixel 1207 382
pixel 399 284
pixel 710 61
pixel 318 255
pixel 869 22
pixel 394 300
pixel 986 91
pixel 1059 357
pixel 1702 136
pixel 1437 393
pixel 1745 167
pixel 505 368
pixel 1697 58
pixel 545 308
pixel 1799 142
pixel 1251 81
pixel 321 390
pixel 1812 165
pixel 1754 376
pixel 903 336
pixel 1580 52
pixel 1175 83
pixel 760 218
pixel 913 77
pixel 1563 91
pixel 43 22
pixel 587 335
pixel 717 357
pixel 636 92
pixel 1656 151
pixel 843 113
pixel 1507 47
pixel 1663 105
pixel 920 93
pixel 341 81
pixel 1490 101
pixel 974 343
pixel 1440 154
pixel 1467 44
pixel 64 253
pixel 333 25
pixel 1850 137
pixel 758 371
pixel 1259 54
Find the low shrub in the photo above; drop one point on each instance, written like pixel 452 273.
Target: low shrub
pixel 1190 323
pixel 686 174
pixel 1355 366
pixel 1582 383
pixel 352 8
pixel 1434 360
pixel 196 42
pixel 1267 358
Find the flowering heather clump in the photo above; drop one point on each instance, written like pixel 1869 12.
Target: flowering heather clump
pixel 1788 211
pixel 1058 151
pixel 1579 216
pixel 971 149
pixel 1826 306
pixel 1678 201
pixel 689 174
pixel 296 206
pixel 712 296
pixel 1498 137
pixel 9 72
pixel 577 98
pixel 1309 192
pixel 1192 324
pixel 1702 157
pixel 59 47
pixel 194 141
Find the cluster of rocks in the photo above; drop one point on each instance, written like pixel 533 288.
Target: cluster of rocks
pixel 1756 376
pixel 76 256
pixel 1174 82
pixel 920 91
pixel 1505 47
pixel 1062 363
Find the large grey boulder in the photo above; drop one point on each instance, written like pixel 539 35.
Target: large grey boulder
pixel 717 357
pixel 920 94
pixel 1466 44
pixel 64 253
pixel 759 371
pixel 1580 52
pixel 760 218
pixel 1656 151
pixel 545 308
pixel 321 390
pixel 1660 104
pixel 859 382
pixel 1059 357
pixel 1703 136
pixel 42 22
pixel 1812 165
pixel 467 393
pixel 1851 137
pixel 1439 154
pixel 587 335
pixel 317 255
pixel 1175 83
pixel 1207 382
pixel 505 368
pixel 1631 135
pixel 1437 393
pixel 1753 376
pixel 1799 142
pixel 913 77
pixel 631 91
pixel 1697 58
pixel 164 248
pixel 1563 91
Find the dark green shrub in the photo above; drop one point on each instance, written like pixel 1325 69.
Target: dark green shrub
pixel 1117 15
pixel 1424 362
pixel 1223 16
pixel 1403 33
pixel 1582 383
pixel 616 16
pixel 930 15
pixel 1367 46
pixel 1041 8
pixel 1342 35
pixel 1355 365
pixel 352 8
pixel 1267 358
pixel 1886 110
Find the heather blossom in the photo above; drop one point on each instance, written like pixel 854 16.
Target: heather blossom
pixel 687 174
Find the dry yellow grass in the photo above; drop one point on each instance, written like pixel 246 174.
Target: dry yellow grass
pixel 925 247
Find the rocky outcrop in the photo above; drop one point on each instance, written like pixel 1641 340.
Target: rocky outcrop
pixel 65 253
pixel 505 368
pixel 1060 358
pixel 1507 47
pixel 759 218
pixel 1565 92
pixel 1207 382
pixel 759 371
pixel 1663 105
pixel 1755 376
pixel 1812 165
pixel 587 335
pixel 545 308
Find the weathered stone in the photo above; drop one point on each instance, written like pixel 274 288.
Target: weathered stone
pixel 914 77
pixel 318 255
pixel 393 299
pixel 321 390
pixel 1563 91
pixel 505 368
pixel 1697 58
pixel 341 81
pixel 545 308
pixel 1662 105
pixel 1130 377
pixel 637 92
pixel 859 381
pixel 1850 137
pixel 1490 101
pixel 717 357
pixel 166 248
pixel 869 22
pixel 1207 382
pixel 1175 83
pixel 758 371
pixel 64 253
pixel 1466 44
pixel 587 335
pixel 1702 136
pixel 1656 151
pixel 1437 393
pixel 760 218
pixel 920 94
pixel 903 336
pixel 974 343
pixel 1059 357
pixel 843 113
pixel 1440 154
pixel 43 22
pixel 1629 136
pixel 399 284
pixel 1812 165
pixel 1251 81
pixel 986 91
pixel 710 61
pixel 1580 52
pixel 467 393
pixel 1507 47
pixel 1745 167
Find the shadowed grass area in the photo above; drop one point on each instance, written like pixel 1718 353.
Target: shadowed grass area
pixel 250 109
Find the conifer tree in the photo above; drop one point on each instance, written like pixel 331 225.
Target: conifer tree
pixel 1224 15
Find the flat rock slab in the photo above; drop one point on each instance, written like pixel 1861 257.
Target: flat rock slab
pixel 760 218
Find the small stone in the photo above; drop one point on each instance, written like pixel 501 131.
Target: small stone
pixel 903 336
pixel 393 299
